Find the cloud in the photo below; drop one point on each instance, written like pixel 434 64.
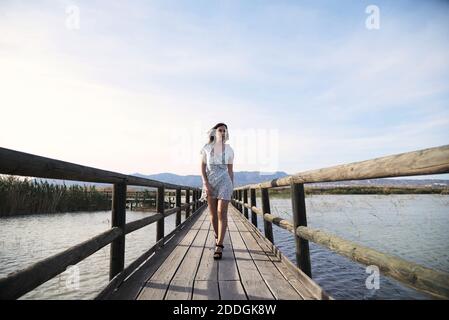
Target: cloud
pixel 135 73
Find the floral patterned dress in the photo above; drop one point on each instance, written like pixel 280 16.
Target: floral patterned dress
pixel 217 171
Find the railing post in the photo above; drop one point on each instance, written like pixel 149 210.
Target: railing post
pixel 117 255
pixel 160 206
pixel 253 204
pixel 187 201
pixel 245 200
pixel 178 204
pixel 300 219
pixel 240 199
pixel 195 198
pixel 267 226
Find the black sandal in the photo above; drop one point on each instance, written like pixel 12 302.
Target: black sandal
pixel 218 254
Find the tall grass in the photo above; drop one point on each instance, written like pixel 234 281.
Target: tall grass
pixel 25 196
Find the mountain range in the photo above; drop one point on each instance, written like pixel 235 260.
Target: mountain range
pixel 249 177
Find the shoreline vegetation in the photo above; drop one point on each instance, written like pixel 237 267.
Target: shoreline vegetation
pixel 361 190
pixel 20 196
pixel 24 197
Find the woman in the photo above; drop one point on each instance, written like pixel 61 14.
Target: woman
pixel 218 181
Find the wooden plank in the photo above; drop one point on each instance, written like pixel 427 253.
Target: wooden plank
pixel 131 287
pixel 281 288
pixel 154 290
pixel 168 267
pixel 300 287
pixel 227 267
pixel 180 289
pixel 208 269
pixel 182 282
pixel 251 279
pixel 307 288
pixel 206 290
pixel 231 290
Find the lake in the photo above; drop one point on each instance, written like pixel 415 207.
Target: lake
pixel 413 227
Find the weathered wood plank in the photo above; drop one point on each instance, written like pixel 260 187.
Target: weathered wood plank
pixel 227 267
pixel 208 269
pixel 279 286
pixel 131 288
pixel 182 282
pixel 311 289
pixel 232 290
pixel 251 279
pixel 170 264
pixel 206 290
pixel 180 289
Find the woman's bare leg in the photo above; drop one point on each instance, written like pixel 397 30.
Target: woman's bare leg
pixel 222 211
pixel 212 202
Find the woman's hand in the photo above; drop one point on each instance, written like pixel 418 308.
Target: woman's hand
pixel 208 188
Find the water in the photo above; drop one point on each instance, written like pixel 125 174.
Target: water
pixel 28 239
pixel 413 227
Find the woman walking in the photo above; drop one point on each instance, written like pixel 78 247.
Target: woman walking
pixel 218 181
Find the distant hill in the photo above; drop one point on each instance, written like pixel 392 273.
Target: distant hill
pixel 249 177
pixel 240 178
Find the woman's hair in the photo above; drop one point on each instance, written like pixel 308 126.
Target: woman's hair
pixel 213 130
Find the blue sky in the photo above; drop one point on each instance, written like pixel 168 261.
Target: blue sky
pixel 136 86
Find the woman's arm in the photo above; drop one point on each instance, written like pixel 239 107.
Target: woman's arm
pixel 204 178
pixel 203 173
pixel 231 172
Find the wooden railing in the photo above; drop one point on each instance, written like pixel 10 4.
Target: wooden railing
pixel 20 282
pixel 422 162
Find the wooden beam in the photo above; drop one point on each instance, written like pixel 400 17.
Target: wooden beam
pixel 300 219
pixel 422 162
pixel 16 284
pixel 117 257
pixel 24 164
pixel 267 226
pixel 418 277
pixel 160 207
pixel 188 202
pixel 245 200
pixel 178 204
pixel 253 204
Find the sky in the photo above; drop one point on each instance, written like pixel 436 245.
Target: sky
pixel 133 86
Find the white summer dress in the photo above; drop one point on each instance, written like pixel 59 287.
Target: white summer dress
pixel 217 171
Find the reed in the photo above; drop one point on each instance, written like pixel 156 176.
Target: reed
pixel 26 196
pixel 384 190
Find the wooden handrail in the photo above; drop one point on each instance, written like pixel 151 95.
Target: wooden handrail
pixel 20 282
pixel 422 162
pixel 414 275
pixel 24 164
pixel 18 163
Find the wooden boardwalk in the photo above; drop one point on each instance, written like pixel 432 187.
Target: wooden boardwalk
pixel 251 268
